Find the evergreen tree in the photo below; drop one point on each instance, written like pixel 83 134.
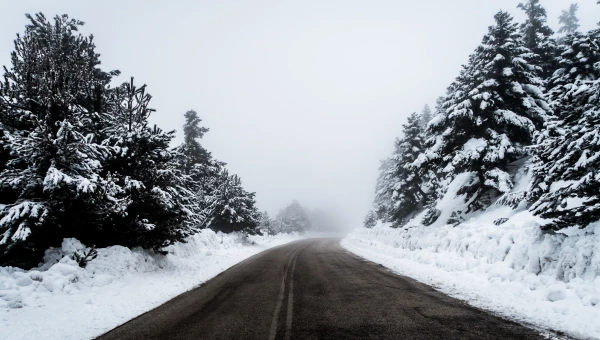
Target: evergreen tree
pixel 400 188
pixel 425 117
pixel 155 204
pixel 51 99
pixel 233 208
pixel 569 21
pixel 197 163
pixel 293 218
pixel 384 189
pixel 566 179
pixel 491 114
pixel 193 153
pixel 439 105
pixel 79 159
pixel 370 220
pixel 537 36
pixel 266 224
pixel 408 195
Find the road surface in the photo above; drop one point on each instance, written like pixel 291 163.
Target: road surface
pixel 314 289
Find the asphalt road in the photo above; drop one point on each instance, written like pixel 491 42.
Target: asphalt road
pixel 314 289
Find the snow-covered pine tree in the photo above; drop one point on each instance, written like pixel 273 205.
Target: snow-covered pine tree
pixel 567 158
pixel 408 196
pixel 439 105
pixel 399 191
pixel 155 204
pixel 537 37
pixel 8 194
pixel 197 163
pixel 266 224
pixel 50 100
pixel 384 189
pixel 569 21
pixel 370 219
pixel 293 218
pixel 233 208
pixel 491 114
pixel 193 153
pixel 425 117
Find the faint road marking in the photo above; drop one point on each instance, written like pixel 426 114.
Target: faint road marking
pixel 273 331
pixel 288 328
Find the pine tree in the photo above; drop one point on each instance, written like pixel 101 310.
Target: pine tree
pixel 293 218
pixel 569 20
pixel 537 37
pixel 370 220
pixel 400 188
pixel 266 224
pixel 439 105
pixel 566 179
pixel 408 196
pixel 425 117
pixel 193 153
pixel 155 204
pixel 233 208
pixel 384 189
pixel 491 114
pixel 51 98
pixel 197 163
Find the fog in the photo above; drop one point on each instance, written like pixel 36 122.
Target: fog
pixel 302 98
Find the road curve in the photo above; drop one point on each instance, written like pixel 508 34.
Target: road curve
pixel 314 289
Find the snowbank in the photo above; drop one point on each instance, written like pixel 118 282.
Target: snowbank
pixel 60 300
pixel 549 281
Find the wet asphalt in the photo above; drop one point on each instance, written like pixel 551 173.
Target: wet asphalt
pixel 314 289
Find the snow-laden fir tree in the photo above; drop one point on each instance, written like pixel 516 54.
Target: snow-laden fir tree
pixel 370 219
pixel 439 106
pixel 232 207
pixel 408 196
pixel 266 224
pixel 537 37
pixel 425 117
pixel 156 206
pixel 565 167
pixel 384 189
pixel 400 189
pixel 193 153
pixel 50 101
pixel 568 20
pixel 491 114
pixel 293 218
pixel 197 163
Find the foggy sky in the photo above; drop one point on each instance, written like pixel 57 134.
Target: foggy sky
pixel 302 98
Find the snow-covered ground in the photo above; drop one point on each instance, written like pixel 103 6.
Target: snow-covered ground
pixel 60 300
pixel 546 280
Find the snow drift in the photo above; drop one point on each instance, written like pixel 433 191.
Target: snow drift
pixel 60 300
pixel 515 269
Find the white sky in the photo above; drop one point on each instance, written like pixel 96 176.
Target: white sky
pixel 302 98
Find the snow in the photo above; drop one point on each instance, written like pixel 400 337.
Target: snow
pixel 60 300
pixel 549 281
pixel 557 185
pixel 546 280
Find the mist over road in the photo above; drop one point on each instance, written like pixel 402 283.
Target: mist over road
pixel 314 289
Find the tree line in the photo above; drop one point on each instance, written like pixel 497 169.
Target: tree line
pixel 79 158
pixel 525 97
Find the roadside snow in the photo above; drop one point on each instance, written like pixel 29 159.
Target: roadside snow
pixel 549 281
pixel 60 300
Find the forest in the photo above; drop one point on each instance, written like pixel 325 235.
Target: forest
pixel 527 99
pixel 79 158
